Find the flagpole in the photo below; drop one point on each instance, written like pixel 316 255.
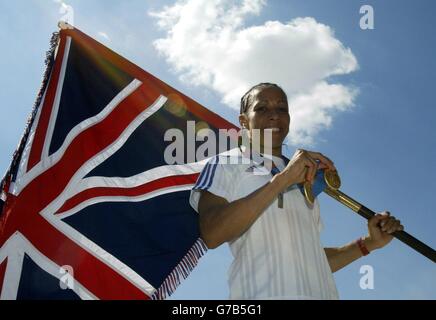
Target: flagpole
pixel 63 25
pixel 363 211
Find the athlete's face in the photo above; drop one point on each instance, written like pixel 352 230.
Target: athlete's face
pixel 268 110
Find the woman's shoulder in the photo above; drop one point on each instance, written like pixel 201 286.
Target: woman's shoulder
pixel 232 161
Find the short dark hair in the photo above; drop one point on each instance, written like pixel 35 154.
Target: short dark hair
pixel 246 98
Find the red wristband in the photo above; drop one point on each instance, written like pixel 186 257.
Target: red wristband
pixel 362 247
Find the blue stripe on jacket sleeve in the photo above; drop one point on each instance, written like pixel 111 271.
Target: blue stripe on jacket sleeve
pixel 202 176
pixel 205 180
pixel 211 176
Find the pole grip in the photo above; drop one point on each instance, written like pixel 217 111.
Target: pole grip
pixel 367 213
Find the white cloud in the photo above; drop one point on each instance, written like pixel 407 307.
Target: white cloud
pixel 208 44
pixel 314 110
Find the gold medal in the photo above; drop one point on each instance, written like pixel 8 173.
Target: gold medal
pixel 308 193
pixel 332 179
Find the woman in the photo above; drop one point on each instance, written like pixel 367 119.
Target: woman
pixel 272 231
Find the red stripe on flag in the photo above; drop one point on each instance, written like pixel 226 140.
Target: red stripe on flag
pixel 47 108
pixel 129 192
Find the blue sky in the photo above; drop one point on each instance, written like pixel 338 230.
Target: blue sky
pixel 378 129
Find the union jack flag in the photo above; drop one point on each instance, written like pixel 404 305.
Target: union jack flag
pixel 89 202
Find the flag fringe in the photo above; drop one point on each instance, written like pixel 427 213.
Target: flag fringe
pixel 181 271
pixel 49 61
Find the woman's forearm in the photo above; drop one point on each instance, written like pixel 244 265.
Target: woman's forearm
pixel 343 256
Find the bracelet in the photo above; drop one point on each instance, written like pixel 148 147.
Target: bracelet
pixel 362 246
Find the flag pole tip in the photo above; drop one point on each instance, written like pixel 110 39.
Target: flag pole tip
pixel 63 25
